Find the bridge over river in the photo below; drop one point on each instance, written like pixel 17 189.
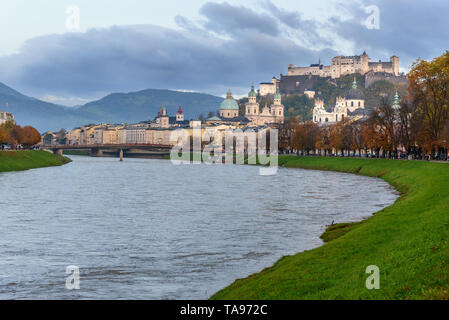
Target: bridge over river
pixel 119 150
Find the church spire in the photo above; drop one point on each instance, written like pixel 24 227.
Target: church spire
pixel 252 93
pixel 229 94
pixel 354 84
pixel 396 99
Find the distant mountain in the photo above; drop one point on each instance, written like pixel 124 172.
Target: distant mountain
pixel 114 108
pixel 30 111
pixel 144 105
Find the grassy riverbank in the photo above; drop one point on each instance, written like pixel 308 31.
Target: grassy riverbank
pixel 24 160
pixel 408 241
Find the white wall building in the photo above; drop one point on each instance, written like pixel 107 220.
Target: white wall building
pixel 350 107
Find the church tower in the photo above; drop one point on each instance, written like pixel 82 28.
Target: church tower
pixel 164 120
pixel 180 115
pixel 278 108
pixel 252 107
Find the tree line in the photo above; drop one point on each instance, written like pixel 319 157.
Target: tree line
pixel 417 126
pixel 11 133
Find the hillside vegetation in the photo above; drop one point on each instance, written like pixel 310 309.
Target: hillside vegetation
pixel 301 107
pixel 408 241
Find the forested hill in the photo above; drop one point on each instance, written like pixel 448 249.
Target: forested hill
pixel 301 107
pixel 144 105
pixel 114 108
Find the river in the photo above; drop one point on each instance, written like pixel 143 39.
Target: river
pixel 146 229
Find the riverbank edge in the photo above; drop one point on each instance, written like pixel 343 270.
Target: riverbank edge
pixel 27 159
pixel 403 240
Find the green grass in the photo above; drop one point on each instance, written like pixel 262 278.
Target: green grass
pixel 24 160
pixel 408 241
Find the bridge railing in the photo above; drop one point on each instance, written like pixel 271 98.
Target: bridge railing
pixel 106 146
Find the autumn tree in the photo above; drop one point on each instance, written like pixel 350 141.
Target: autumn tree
pixel 286 133
pixel 31 136
pixel 388 125
pixel 323 140
pixel 428 89
pixel 305 136
pixel 16 135
pixel 336 137
pixel 4 135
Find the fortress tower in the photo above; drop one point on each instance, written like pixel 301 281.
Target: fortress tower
pixel 395 65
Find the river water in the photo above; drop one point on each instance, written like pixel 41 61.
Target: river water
pixel 146 229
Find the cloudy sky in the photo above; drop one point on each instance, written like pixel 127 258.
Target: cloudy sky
pixel 195 45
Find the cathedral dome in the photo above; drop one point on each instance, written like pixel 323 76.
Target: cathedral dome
pixel 229 103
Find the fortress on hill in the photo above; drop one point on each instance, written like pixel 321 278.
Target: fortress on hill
pixel 301 80
pixel 343 65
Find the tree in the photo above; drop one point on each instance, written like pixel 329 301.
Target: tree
pixel 16 135
pixel 323 139
pixel 388 126
pixel 286 132
pixel 31 136
pixel 428 83
pixel 305 136
pixel 4 135
pixel 336 137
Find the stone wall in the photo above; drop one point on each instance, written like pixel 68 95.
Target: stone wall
pixel 372 77
pixel 297 84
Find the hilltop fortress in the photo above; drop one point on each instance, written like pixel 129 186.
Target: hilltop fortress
pixel 301 80
pixel 343 65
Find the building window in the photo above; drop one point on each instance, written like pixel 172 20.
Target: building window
pixel 327 120
pixel 359 103
pixel 352 103
pixel 336 117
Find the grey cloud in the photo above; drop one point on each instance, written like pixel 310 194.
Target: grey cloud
pixel 128 58
pixel 227 19
pixel 408 28
pixel 139 57
pixel 308 29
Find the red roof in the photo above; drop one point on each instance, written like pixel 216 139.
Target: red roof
pixel 180 110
